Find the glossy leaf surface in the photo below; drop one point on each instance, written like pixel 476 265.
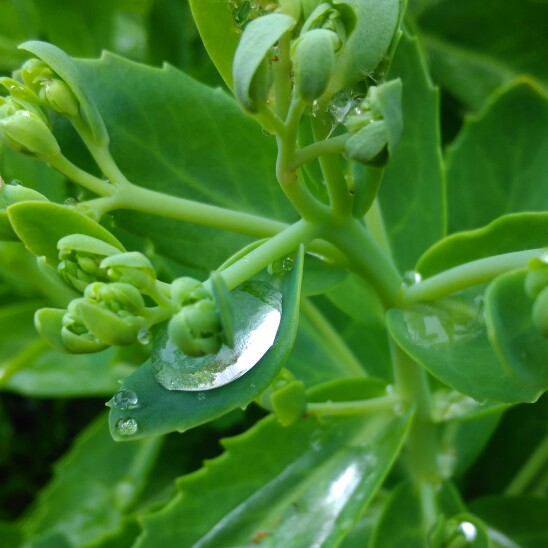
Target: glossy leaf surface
pixel 157 410
pixel 519 345
pixel 40 225
pixel 412 194
pixel 506 234
pixel 500 159
pixel 450 340
pixel 304 485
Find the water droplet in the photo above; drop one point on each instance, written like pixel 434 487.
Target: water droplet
pixel 411 278
pixel 16 182
pixel 126 427
pixel 105 179
pixel 125 399
pixel 267 133
pixel 124 493
pixel 398 408
pixel 468 531
pixel 390 390
pixel 201 396
pixel 144 336
pixel 287 264
pixel 70 202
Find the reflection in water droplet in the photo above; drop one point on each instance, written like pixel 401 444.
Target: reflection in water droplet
pixel 125 399
pixel 258 306
pixel 410 278
pixel 201 396
pixel 71 202
pixel 468 531
pixel 287 264
pixel 126 427
pixel 16 182
pixel 144 336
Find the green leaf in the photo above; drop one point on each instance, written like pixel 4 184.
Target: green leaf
pixel 40 225
pixel 93 486
pixel 304 485
pixel 187 140
pixel 518 520
pixel 449 338
pixel 400 522
pixel 219 32
pixel 258 38
pixel 320 276
pixel 66 68
pixel 518 344
pixel 474 47
pixel 159 410
pixel 506 234
pixel 500 159
pixel 412 194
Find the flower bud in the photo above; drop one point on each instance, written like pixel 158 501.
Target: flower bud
pixel 25 131
pixel 75 335
pixel 33 72
pixel 18 90
pixel 185 291
pixel 59 97
pixel 313 56
pixel 536 278
pixel 196 330
pixel 80 259
pixel 131 268
pixel 367 145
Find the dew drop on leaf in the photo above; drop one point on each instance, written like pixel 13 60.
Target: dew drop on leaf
pixel 257 309
pixel 125 399
pixel 410 278
pixel 468 531
pixel 126 427
pixel 70 202
pixel 16 182
pixel 144 336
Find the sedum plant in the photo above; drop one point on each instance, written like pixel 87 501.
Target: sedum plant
pixel 298 243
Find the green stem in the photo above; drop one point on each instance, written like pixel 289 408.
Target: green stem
pixel 535 465
pixel 282 76
pixel 149 201
pixel 366 258
pixel 81 177
pixel 280 245
pixel 467 275
pixel 335 145
pixel 345 357
pixel 358 407
pixel 337 188
pixel 375 225
pixel 421 448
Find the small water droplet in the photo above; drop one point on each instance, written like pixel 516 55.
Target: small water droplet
pixel 16 182
pixel 287 264
pixel 201 396
pixel 390 390
pixel 124 493
pixel 411 278
pixel 126 427
pixel 70 202
pixel 398 409
pixel 105 179
pixel 144 336
pixel 125 399
pixel 468 531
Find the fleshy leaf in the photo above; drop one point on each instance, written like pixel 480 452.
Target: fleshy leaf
pixel 160 410
pixel 40 225
pixel 449 338
pixel 518 344
pixel 412 194
pixel 303 485
pixel 506 234
pixel 65 67
pixel 93 486
pixel 500 159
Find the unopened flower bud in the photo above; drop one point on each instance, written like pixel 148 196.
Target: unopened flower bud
pixel 196 330
pixel 366 145
pixel 18 90
pixel 185 291
pixel 536 278
pixel 59 97
pixel 540 312
pixel 35 71
pixel 75 335
pixel 131 268
pixel 26 131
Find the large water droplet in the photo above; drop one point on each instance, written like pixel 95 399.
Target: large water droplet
pixel 126 427
pixel 468 531
pixel 125 399
pixel 411 278
pixel 287 264
pixel 70 202
pixel 144 336
pixel 258 307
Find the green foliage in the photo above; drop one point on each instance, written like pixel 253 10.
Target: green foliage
pixel 318 308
